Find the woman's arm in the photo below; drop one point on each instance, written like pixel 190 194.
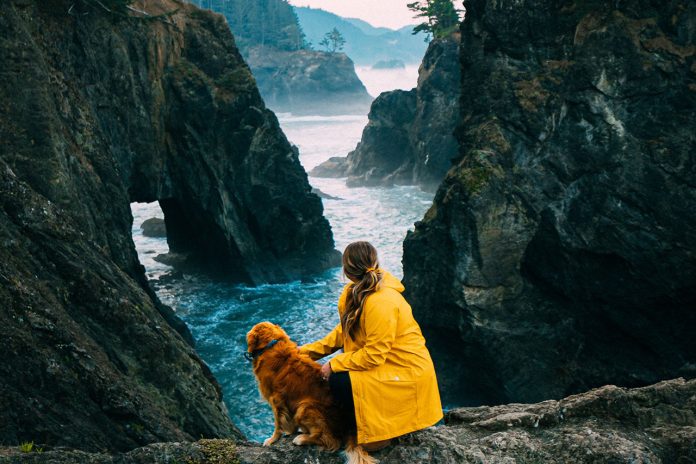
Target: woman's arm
pixel 327 345
pixel 380 332
pixel 334 340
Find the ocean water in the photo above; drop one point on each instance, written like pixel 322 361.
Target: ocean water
pixel 219 314
pixel 380 80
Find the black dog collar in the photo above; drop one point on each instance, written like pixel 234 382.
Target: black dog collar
pixel 250 356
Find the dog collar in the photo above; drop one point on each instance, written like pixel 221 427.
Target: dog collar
pixel 250 356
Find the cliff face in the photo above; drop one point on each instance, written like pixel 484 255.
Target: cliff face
pixel 409 137
pixel 559 251
pixel 98 110
pixel 308 81
pixel 655 424
pixel 290 75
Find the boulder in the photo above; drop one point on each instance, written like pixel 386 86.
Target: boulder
pixel 154 227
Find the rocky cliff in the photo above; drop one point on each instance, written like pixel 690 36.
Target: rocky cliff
pixel 101 106
pixel 409 137
pixel 656 424
pixel 290 75
pixel 560 251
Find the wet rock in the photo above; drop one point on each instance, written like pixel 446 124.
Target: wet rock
pixel 559 252
pixel 178 260
pixel 154 227
pixel 336 166
pixel 655 424
pixel 325 196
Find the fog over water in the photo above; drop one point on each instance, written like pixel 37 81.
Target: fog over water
pixel 382 80
pixel 219 314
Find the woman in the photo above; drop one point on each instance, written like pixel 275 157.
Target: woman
pixel 385 373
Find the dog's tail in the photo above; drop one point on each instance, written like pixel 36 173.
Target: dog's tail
pixel 356 454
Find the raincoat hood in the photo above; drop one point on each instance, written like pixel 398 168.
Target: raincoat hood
pixel 389 281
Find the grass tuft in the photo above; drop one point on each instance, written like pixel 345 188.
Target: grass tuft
pixel 29 447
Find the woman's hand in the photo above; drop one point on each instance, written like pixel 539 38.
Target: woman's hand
pixel 326 370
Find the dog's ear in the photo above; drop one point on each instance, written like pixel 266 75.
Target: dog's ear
pixel 252 339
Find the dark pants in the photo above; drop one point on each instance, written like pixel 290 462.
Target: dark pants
pixel 342 391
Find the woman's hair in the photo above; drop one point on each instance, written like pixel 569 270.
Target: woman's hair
pixel 361 266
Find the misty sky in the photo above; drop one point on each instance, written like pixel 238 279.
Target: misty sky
pixel 387 13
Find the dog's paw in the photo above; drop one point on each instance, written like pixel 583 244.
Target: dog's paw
pixel 270 440
pixel 299 440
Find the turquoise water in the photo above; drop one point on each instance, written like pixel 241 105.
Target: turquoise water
pixel 220 315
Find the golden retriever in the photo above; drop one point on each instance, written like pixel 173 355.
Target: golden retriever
pixel 292 384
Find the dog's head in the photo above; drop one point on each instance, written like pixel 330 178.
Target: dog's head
pixel 264 333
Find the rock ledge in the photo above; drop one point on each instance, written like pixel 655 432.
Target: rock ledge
pixel 655 424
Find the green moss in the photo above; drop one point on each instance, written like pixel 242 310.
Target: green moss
pixel 138 428
pixel 217 452
pixel 187 71
pixel 476 171
pixel 239 80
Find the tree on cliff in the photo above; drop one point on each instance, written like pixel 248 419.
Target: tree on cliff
pixel 442 17
pixel 333 41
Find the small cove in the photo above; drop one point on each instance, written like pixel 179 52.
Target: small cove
pixel 220 314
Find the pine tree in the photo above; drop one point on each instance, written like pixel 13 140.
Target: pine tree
pixel 271 23
pixel 333 41
pixel 441 15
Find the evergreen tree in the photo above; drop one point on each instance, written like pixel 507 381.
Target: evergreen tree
pixel 270 23
pixel 442 18
pixel 333 41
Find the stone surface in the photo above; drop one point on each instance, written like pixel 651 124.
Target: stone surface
pixel 154 227
pixel 409 137
pixel 308 81
pixel 98 110
pixel 560 251
pixel 655 424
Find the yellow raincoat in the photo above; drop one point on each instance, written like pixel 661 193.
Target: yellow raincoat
pixel 391 372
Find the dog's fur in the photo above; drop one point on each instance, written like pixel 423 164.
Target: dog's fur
pixel 292 384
